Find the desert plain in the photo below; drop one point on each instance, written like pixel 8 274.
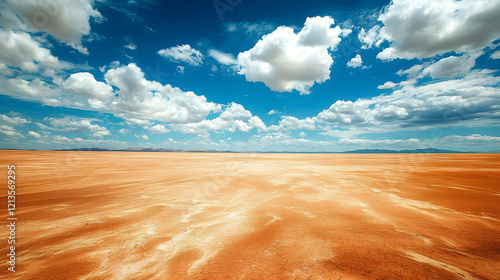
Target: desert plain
pixel 127 215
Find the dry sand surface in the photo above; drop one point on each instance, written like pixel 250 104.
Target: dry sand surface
pixel 118 215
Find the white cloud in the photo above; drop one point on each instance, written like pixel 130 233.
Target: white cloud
pixel 35 90
pixel 183 53
pixel 256 122
pixel 123 131
pixel 471 100
pixel 289 122
pixel 67 21
pixel 19 49
pixel 272 112
pixel 158 129
pixel 495 55
pixel 78 125
pixel 425 28
pixel 279 141
pixel 386 142
pixel 448 67
pixel 387 85
pixel 149 100
pixel 34 134
pixel 370 38
pixel 475 140
pixel 10 131
pixel 180 69
pixel 144 137
pixel 222 58
pixel 80 142
pixel 286 61
pixel 84 84
pixel 137 98
pixel 451 66
pixel 130 46
pixel 346 32
pixel 12 121
pixel 234 117
pixel 139 122
pixel 355 61
pixel 302 134
pixel 412 71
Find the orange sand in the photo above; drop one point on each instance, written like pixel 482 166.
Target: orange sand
pixel 117 215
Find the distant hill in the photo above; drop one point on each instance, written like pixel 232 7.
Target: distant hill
pixel 363 151
pixel 417 151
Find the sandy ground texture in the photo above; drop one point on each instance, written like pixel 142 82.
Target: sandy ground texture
pixel 118 215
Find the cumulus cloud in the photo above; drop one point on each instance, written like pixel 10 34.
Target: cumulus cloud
pixel 19 49
pixel 158 129
pixel 289 122
pixel 286 61
pixel 67 21
pixel 84 84
pixel 355 62
pixel 34 134
pixel 387 85
pixel 425 28
pixel 222 58
pixel 149 100
pixel 183 53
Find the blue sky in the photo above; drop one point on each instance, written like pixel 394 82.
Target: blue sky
pixel 250 75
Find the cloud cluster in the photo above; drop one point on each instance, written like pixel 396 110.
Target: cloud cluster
pixel 233 118
pixel 286 61
pixel 77 125
pixel 8 124
pixel 474 98
pixel 425 28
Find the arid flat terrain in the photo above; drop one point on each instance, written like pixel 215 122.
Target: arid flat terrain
pixel 119 215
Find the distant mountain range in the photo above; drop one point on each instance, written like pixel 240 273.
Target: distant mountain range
pixel 421 151
pixel 363 151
